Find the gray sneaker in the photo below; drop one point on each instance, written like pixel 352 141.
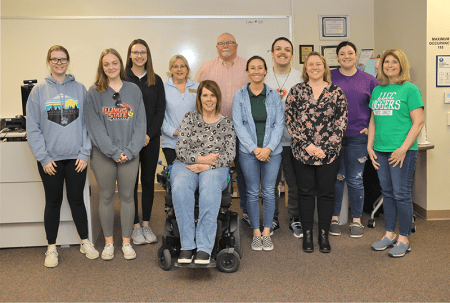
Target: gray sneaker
pixel 296 228
pixel 257 243
pixel 384 243
pixel 138 236
pixel 149 235
pixel 356 230
pixel 89 249
pixel 51 258
pixel 335 230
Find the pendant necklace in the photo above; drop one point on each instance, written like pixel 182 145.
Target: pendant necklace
pixel 281 88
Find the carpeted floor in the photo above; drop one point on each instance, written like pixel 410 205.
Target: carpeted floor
pixel 351 272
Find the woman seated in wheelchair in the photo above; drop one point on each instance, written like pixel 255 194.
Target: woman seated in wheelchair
pixel 205 148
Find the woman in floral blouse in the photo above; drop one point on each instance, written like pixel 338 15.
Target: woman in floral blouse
pixel 206 146
pixel 316 119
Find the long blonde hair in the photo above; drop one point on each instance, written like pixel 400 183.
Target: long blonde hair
pixel 326 73
pixel 403 76
pixel 101 80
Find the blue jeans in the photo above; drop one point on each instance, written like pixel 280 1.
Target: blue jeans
pixel 210 184
pixel 396 189
pixel 258 175
pixel 353 158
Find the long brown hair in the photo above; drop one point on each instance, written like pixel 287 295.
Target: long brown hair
pixel 101 80
pixel 151 78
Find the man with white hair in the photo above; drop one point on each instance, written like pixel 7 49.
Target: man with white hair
pixel 228 71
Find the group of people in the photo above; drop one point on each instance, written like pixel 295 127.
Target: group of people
pixel 317 126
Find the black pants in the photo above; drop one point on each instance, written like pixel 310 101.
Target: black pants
pixel 170 155
pixel 288 168
pixel 53 187
pixel 148 157
pixel 312 181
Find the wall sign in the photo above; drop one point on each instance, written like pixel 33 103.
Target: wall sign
pixel 442 70
pixel 440 42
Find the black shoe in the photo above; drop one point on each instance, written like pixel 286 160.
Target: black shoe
pixel 275 225
pixel 185 257
pixel 324 245
pixel 246 219
pixel 201 258
pixel 308 245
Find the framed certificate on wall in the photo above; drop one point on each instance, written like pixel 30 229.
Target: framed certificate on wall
pixel 334 27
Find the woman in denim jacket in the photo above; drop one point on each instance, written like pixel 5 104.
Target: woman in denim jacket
pixel 258 122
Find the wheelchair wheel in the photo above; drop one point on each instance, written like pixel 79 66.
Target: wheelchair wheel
pixel 164 259
pixel 237 238
pixel 228 262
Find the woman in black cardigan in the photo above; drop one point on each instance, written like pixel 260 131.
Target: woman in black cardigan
pixel 139 70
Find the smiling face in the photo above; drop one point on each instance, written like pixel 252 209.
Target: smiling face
pixel 138 55
pixel 58 69
pixel 391 68
pixel 282 53
pixel 347 57
pixel 227 51
pixel 209 101
pixel 315 68
pixel 179 70
pixel 256 71
pixel 111 66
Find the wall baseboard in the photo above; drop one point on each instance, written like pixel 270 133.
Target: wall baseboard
pixel 431 214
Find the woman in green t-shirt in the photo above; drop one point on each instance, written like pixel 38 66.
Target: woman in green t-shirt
pixel 395 123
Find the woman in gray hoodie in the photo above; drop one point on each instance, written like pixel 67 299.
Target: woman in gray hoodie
pixel 58 139
pixel 116 124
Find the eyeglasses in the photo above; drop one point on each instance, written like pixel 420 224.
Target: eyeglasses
pixel 180 67
pixel 226 43
pixel 116 97
pixel 136 53
pixel 56 60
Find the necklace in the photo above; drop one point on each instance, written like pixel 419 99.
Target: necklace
pixel 280 91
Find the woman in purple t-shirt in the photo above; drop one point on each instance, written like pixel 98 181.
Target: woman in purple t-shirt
pixel 357 86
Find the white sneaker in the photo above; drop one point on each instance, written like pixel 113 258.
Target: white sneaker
pixel 89 249
pixel 149 235
pixel 51 257
pixel 108 252
pixel 128 252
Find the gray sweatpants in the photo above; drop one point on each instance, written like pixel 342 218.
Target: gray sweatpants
pixel 107 171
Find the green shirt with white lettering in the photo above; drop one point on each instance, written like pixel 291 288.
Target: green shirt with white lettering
pixel 391 105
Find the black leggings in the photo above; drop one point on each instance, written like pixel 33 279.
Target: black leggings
pixel 149 160
pixel 170 155
pixel 53 187
pixel 312 181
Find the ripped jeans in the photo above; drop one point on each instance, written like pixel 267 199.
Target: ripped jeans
pixel 353 158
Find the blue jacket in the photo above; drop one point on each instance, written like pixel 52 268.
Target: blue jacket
pixel 176 107
pixel 244 125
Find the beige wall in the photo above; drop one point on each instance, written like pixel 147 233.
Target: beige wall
pixel 437 129
pixel 305 17
pixel 409 26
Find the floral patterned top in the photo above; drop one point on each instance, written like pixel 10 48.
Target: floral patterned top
pixel 321 122
pixel 197 138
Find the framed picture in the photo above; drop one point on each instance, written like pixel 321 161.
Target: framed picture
pixel 334 27
pixel 304 51
pixel 329 52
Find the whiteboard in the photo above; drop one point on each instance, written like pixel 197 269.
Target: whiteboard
pixel 25 42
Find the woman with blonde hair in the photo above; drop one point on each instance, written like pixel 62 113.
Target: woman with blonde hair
pixel 58 139
pixel 180 99
pixel 395 123
pixel 316 119
pixel 115 120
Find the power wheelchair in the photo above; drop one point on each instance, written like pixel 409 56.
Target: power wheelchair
pixel 227 252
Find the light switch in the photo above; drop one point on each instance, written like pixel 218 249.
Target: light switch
pixel 447 97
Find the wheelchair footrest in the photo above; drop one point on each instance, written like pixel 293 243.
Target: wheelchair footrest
pixel 212 263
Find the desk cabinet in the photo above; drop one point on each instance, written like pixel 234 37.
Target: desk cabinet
pixel 22 202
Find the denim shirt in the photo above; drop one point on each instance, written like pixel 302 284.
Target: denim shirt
pixel 244 125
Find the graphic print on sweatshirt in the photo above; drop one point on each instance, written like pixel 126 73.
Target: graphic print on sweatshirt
pixel 118 113
pixel 385 104
pixel 62 109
